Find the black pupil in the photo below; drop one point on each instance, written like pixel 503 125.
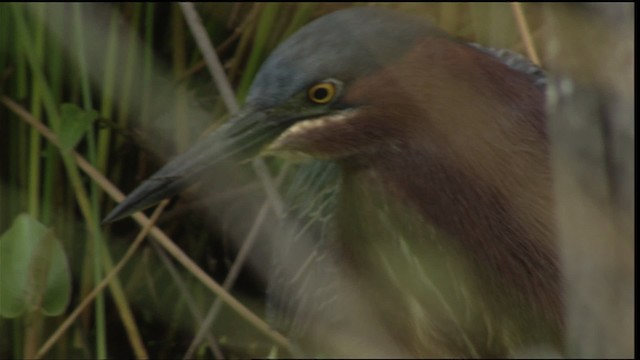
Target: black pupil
pixel 321 93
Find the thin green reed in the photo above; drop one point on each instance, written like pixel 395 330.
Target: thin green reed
pixel 87 104
pixel 266 22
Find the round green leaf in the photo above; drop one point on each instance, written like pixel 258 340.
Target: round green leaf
pixel 34 273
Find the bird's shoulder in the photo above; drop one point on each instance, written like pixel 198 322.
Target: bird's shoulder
pixel 515 61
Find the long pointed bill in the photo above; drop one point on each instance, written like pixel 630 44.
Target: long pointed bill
pixel 242 136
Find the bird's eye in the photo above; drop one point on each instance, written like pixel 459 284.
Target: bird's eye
pixel 322 93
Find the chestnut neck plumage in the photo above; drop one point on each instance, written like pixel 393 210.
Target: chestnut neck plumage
pixel 470 155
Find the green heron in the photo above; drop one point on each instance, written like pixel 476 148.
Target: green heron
pixel 426 179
